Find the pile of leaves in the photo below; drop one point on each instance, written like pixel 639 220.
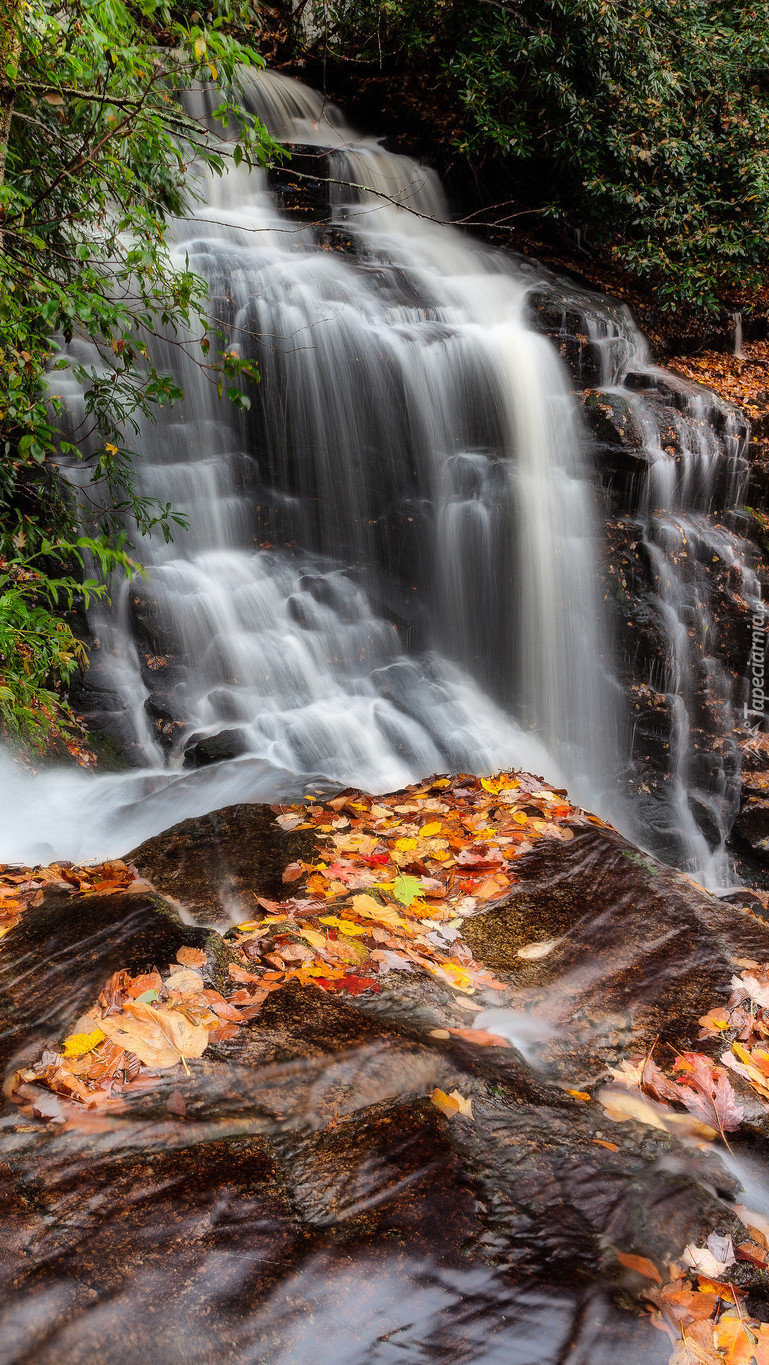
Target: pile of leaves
pixel 395 878
pixel 21 887
pixel 699 1307
pixel 745 1019
pixel 742 380
pixel 702 1086
pixel 139 1026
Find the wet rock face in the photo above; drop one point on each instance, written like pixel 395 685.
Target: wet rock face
pixel 218 864
pixel 298 1196
pixel 58 957
pixel 656 948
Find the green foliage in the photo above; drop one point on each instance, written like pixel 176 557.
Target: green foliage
pixel 97 162
pixel 38 649
pixel 645 122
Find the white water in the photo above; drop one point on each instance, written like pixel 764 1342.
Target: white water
pixel 400 530
pixel 391 566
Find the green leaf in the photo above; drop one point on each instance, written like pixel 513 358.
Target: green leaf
pixel 406 889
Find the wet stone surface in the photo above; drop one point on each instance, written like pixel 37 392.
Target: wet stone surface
pixel 298 1197
pixel 218 864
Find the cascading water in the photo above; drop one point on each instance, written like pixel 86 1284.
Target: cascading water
pixel 389 566
pixel 392 562
pixel 686 456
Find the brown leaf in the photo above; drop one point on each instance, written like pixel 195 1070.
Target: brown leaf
pixel 191 957
pixel 159 1038
pixel 148 981
pixel 753 1253
pixel 220 1006
pixel 708 1094
pixel 238 973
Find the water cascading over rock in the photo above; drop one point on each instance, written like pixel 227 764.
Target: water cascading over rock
pixel 394 563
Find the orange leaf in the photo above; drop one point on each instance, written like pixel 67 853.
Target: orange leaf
pixel 640 1264
pixel 191 957
pixel 480 1036
pixel 742 1344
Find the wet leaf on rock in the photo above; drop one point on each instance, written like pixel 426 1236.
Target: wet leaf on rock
pixel 452 1104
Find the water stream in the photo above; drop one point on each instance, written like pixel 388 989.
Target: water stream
pixel 392 564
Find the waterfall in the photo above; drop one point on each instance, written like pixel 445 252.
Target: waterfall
pixel 673 460
pixel 393 560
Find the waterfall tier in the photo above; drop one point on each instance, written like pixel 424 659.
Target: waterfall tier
pixel 395 561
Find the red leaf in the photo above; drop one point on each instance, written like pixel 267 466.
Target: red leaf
pixel 356 985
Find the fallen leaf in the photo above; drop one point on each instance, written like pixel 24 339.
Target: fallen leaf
pixel 714 1022
pixel 186 979
pixel 705 1261
pixel 452 1104
pixel 708 1094
pixel 159 1038
pixel 191 957
pixel 480 1036
pixel 533 951
pixel 368 908
pixel 640 1264
pixel 79 1044
pixel 406 889
pixel 741 1343
pixel 747 984
pixel 753 1253
pixel 238 973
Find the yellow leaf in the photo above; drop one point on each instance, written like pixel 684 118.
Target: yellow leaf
pixel 579 1094
pixel 316 940
pixel 405 845
pixel 78 1044
pixel 345 926
pixel 520 817
pixel 199 48
pixel 457 977
pixel 434 827
pixel 368 908
pixel 452 1104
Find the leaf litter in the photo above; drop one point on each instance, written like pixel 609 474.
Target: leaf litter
pixel 390 886
pixel 393 879
pixel 701 1309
